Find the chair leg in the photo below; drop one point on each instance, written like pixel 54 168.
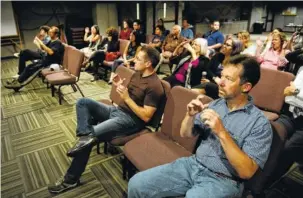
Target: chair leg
pixel 124 167
pixel 60 95
pixel 105 74
pixel 74 88
pixel 105 148
pixel 79 89
pixel 53 90
pixel 98 148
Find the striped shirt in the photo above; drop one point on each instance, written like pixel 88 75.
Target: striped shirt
pixel 248 127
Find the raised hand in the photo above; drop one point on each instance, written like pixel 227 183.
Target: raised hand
pixel 87 30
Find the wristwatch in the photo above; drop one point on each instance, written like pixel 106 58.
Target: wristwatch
pixel 296 91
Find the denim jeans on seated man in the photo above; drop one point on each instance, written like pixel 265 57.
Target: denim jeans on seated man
pixel 100 122
pixel 235 142
pixel 182 175
pixel 110 122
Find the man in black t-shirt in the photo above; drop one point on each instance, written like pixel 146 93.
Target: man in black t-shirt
pixel 54 50
pixel 99 122
pixel 137 28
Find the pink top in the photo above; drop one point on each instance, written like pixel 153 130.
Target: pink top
pixel 272 59
pixel 181 73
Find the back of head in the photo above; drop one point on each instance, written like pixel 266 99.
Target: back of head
pixel 152 55
pixel 250 68
pixel 56 31
pixel 237 47
pixel 45 28
pixel 245 34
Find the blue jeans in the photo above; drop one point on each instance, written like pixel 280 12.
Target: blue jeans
pixel 102 121
pixel 184 176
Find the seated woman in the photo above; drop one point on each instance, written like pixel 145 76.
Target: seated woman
pixel 160 23
pixel 209 85
pixel 125 32
pixel 274 57
pixel 190 66
pixel 94 40
pixel 109 51
pixel 248 47
pixel 157 39
pixel 129 54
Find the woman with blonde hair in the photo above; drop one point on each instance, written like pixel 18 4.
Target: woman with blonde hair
pixel 273 57
pixel 248 47
pixel 209 85
pixel 190 66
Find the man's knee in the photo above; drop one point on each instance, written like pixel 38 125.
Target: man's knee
pixel 82 102
pixel 136 185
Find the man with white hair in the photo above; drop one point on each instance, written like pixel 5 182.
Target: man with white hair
pixel 170 44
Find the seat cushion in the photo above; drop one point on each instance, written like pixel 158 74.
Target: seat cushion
pixel 153 149
pixel 47 71
pixel 61 78
pixel 121 141
pixel 270 115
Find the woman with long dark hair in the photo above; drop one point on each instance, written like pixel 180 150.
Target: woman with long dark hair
pixel 126 30
pixel 109 50
pixel 129 54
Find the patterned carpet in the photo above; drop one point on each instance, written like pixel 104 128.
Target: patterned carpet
pixel 35 134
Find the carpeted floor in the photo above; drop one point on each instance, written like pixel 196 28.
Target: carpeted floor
pixel 36 132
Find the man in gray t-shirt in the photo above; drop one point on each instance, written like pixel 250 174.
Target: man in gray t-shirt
pixel 236 140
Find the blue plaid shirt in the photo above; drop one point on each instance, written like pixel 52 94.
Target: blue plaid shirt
pixel 248 127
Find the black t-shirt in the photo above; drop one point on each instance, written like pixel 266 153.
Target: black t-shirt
pixel 143 91
pixel 57 56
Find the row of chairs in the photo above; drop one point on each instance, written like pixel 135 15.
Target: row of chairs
pixel 144 150
pixel 69 75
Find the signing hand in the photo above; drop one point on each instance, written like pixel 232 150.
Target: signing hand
pixel 117 81
pixel 187 46
pixel 196 106
pixel 123 92
pixel 290 90
pixel 259 42
pixel 210 118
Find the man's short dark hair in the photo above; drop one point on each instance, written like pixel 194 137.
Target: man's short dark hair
pixel 45 28
pixel 151 54
pixel 214 21
pixel 250 68
pixel 57 31
pixel 137 21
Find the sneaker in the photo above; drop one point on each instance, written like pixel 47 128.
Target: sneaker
pixel 14 84
pixel 16 76
pixel 61 186
pixel 11 81
pixel 16 55
pixel 95 78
